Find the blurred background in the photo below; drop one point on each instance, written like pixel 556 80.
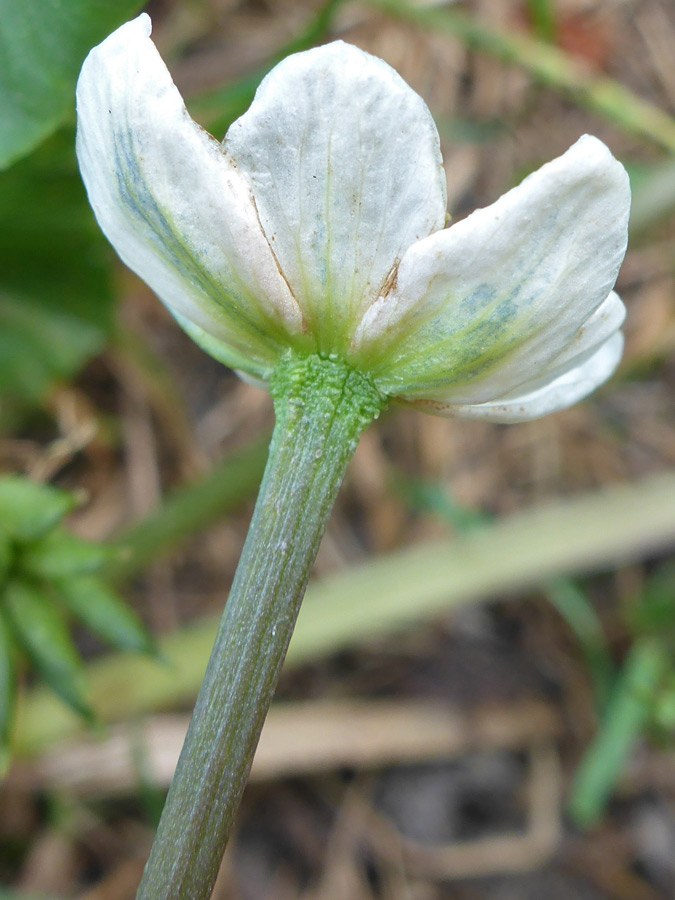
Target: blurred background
pixel 479 703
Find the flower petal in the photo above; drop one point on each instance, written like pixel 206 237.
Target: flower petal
pixel 533 400
pixel 344 160
pixel 173 204
pixel 487 304
pixel 596 331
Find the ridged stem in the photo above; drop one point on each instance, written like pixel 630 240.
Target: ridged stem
pixel 322 406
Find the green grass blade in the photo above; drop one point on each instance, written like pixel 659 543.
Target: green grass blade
pixel 627 714
pixel 577 610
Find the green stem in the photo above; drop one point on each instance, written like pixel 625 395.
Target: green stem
pixel 322 407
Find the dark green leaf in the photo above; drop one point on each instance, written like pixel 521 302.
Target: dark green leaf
pixel 6 554
pixel 55 292
pixel 44 636
pixel 29 510
pixel 102 610
pixel 62 555
pixel 42 46
pixel 654 612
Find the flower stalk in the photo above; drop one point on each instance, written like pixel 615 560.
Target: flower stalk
pixel 322 406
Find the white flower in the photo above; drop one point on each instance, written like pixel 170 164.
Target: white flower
pixel 317 225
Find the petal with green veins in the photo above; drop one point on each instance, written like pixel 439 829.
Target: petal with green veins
pixel 486 305
pixel 540 397
pixel 596 331
pixel 345 165
pixel 43 634
pixel 172 202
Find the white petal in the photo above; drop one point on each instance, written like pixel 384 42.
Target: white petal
pixel 533 400
pixel 596 331
pixel 344 159
pixel 487 304
pixel 173 204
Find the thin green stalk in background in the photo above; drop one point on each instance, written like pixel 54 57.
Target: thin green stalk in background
pixel 322 406
pixel 542 15
pixel 628 711
pixel 578 612
pixel 549 65
pixel 190 509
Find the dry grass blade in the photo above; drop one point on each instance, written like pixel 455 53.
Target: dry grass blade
pixel 298 738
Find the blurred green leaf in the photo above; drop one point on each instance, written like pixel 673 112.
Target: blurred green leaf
pixel 664 707
pixel 62 555
pixel 654 612
pixel 433 497
pixel 29 510
pixel 575 607
pixel 630 708
pixel 43 634
pixel 55 291
pixel 7 689
pixel 105 613
pixel 42 46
